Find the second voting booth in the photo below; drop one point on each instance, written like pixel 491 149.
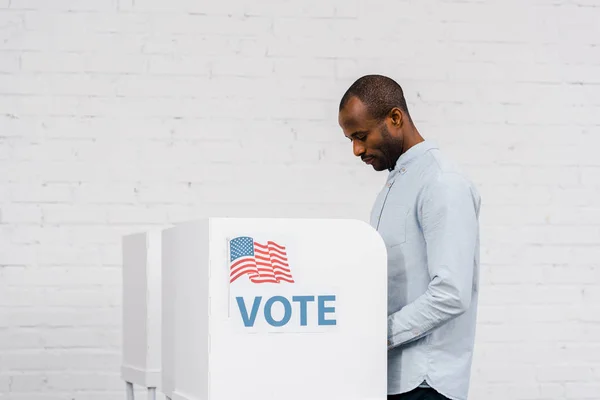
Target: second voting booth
pixel 265 309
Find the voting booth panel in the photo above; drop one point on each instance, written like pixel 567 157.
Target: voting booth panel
pixel 274 308
pixel 141 318
pixel 185 340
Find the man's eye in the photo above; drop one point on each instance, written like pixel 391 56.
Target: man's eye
pixel 358 136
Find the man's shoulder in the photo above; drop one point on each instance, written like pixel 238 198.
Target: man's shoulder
pixel 440 162
pixel 443 173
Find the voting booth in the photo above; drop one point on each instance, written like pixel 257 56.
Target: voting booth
pixel 272 309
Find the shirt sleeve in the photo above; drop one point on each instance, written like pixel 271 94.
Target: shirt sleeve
pixel 448 211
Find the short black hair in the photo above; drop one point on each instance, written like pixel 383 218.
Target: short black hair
pixel 379 93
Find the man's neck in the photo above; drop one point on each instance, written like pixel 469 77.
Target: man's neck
pixel 413 138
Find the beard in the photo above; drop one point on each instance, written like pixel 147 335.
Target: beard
pixel 391 148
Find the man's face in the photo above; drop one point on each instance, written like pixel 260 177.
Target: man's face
pixel 377 143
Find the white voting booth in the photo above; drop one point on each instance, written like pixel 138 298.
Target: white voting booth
pixel 265 309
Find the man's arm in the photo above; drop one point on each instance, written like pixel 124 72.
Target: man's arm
pixel 448 215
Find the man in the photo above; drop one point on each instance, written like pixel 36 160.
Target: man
pixel 427 215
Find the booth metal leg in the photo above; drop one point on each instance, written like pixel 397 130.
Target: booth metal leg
pixel 129 390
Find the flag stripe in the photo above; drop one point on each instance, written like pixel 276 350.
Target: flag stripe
pixel 242 261
pixel 289 275
pixel 286 279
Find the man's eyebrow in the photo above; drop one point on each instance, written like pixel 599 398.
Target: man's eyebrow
pixel 358 133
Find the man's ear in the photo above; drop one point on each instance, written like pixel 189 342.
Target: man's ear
pixel 396 117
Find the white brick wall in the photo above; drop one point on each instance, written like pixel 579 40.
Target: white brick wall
pixel 116 115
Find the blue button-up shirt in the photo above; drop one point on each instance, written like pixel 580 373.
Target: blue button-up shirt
pixel 427 215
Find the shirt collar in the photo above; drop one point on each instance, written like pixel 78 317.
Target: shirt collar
pixel 412 154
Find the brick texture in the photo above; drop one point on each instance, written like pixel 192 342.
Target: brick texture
pixel 118 115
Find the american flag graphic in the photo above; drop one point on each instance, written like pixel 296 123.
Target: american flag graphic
pixel 263 263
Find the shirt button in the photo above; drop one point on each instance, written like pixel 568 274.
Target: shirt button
pixel 402 170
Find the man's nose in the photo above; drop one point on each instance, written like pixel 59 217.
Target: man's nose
pixel 358 148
